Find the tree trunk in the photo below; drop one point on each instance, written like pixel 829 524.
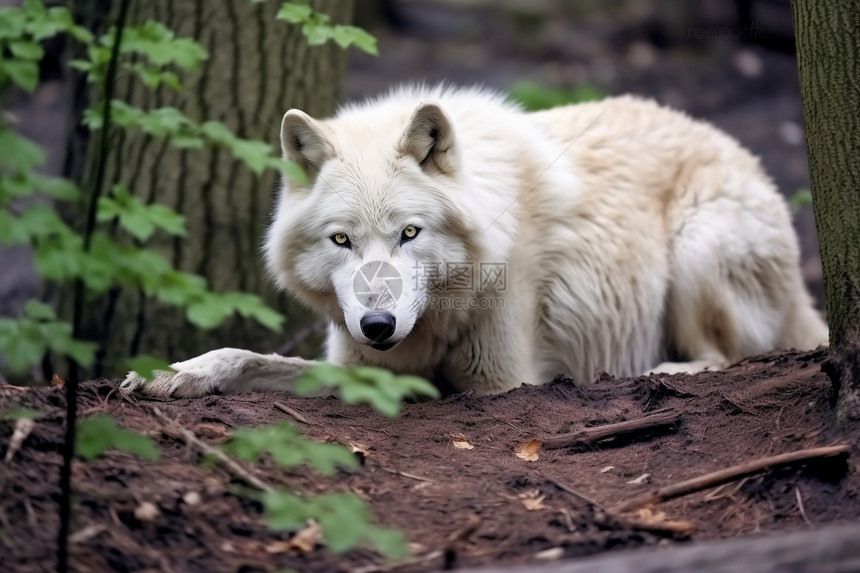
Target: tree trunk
pixel 258 67
pixel 828 46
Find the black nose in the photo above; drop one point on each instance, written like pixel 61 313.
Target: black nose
pixel 378 326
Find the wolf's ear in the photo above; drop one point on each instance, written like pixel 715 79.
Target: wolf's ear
pixel 429 138
pixel 304 142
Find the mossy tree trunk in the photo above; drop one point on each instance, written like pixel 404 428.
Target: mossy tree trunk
pixel 828 45
pixel 258 67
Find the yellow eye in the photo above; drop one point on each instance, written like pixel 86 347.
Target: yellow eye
pixel 410 232
pixel 340 239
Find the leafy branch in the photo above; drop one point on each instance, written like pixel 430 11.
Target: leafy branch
pixel 317 29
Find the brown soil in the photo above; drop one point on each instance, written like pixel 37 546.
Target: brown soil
pixel 416 480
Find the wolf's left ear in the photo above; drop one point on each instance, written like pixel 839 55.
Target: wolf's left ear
pixel 429 138
pixel 304 142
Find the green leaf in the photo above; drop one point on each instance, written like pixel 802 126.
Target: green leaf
pixel 100 432
pixel 208 313
pixel 316 34
pixel 294 12
pixel 56 187
pixel 290 169
pixel 26 50
pixel 25 74
pixel 146 366
pixel 11 230
pixel 18 152
pixel 343 518
pixel 21 413
pixel 366 384
pixel 800 199
pixel 284 511
pixel 288 448
pixel 534 96
pixel 38 310
pixel 345 36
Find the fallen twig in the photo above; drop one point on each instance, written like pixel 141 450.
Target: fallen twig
pixel 611 519
pixel 229 464
pixel 684 528
pixel 800 506
pixel 23 427
pixel 295 414
pixel 720 477
pixel 573 492
pixel 593 434
pixel 391 566
pixel 404 474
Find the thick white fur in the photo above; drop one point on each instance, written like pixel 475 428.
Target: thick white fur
pixel 631 234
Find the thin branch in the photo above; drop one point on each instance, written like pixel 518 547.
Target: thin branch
pixel 800 506
pixel 594 434
pixel 78 306
pixel 295 414
pixel 404 474
pixel 229 464
pixel 739 471
pixel 684 528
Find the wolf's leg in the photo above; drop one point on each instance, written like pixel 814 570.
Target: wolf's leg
pixel 222 371
pixel 734 276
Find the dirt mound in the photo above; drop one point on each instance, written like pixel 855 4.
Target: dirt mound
pixel 459 506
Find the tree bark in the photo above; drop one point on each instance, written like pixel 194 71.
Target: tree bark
pixel 258 67
pixel 828 46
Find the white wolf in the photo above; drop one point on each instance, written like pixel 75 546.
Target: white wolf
pixel 449 234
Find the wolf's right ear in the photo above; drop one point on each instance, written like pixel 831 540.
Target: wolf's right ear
pixel 429 138
pixel 304 142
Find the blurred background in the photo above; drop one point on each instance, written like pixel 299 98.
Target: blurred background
pixel 729 62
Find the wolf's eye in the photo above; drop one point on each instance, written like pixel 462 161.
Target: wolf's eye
pixel 409 233
pixel 341 240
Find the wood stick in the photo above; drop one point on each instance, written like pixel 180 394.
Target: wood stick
pixel 295 414
pixel 739 471
pixel 590 435
pixel 229 464
pixel 674 527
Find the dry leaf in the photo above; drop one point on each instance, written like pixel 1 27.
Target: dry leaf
pixel 306 539
pixel 460 442
pixel 23 427
pixel 533 500
pixel 648 515
pixel 277 547
pixel 57 381
pixel 357 448
pixel 640 480
pixel 360 451
pixel 528 450
pixel 607 469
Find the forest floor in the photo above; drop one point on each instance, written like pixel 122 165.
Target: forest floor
pixel 459 507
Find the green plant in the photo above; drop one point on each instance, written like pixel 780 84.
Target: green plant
pixel 100 432
pixel 94 259
pixel 800 199
pixel 378 387
pixel 534 96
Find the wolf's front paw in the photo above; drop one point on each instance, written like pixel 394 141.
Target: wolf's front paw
pixel 214 372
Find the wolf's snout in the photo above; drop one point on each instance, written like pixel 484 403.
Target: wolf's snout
pixel 378 326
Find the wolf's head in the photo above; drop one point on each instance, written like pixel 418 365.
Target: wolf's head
pixel 365 243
